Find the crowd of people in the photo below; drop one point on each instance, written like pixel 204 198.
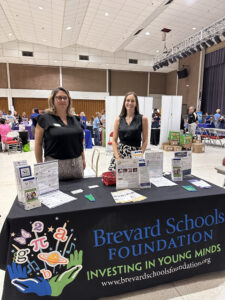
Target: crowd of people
pixel 60 132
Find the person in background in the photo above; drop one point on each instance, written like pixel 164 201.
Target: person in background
pixel 131 128
pixel 62 135
pixel 4 130
pixel 217 117
pixel 10 118
pixel 24 115
pixel 33 117
pixel 18 119
pixel 155 118
pixel 83 119
pixel 192 120
pixel 207 118
pixel 2 116
pixel 182 127
pixel 96 126
pixel 103 118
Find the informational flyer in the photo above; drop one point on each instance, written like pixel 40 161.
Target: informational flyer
pixel 200 183
pixel 29 188
pixel 56 198
pixel 144 181
pixel 47 176
pixel 176 173
pixel 127 173
pixel 154 162
pixel 127 196
pixel 186 161
pixel 162 181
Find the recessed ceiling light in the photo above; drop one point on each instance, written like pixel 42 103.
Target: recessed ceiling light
pixel 194 28
pixel 147 33
pixel 10 34
pixel 44 40
pixel 157 51
pixel 68 28
pixel 40 7
pixel 55 61
pixel 106 14
pixel 187 85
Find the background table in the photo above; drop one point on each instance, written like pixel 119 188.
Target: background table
pixel 28 128
pixel 194 220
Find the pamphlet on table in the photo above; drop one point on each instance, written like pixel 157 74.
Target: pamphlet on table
pixel 176 172
pixel 154 161
pixel 186 161
pixel 127 173
pixel 144 181
pixel 127 195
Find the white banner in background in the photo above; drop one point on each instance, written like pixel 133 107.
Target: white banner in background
pixel 113 106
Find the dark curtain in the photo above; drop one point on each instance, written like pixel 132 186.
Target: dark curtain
pixel 213 95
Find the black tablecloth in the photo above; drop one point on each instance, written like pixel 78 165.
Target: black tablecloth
pixel 95 249
pixel 155 135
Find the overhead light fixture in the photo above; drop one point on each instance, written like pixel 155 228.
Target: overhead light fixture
pixel 184 54
pixel 187 85
pixel 174 59
pixel 204 45
pixel 147 33
pixel 171 60
pixel 161 64
pixel 193 50
pixel 194 28
pixel 68 28
pixel 40 7
pixel 157 51
pixel 10 34
pixel 154 68
pixel 179 56
pixel 210 42
pixel 188 53
pixel 106 14
pixel 217 39
pixel 44 40
pixel 198 47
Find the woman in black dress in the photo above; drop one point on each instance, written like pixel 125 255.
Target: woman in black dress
pixel 131 128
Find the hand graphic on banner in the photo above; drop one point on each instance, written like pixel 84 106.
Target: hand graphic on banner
pixel 39 285
pixel 20 280
pixel 74 266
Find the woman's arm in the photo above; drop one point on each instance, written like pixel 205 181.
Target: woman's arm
pixel 144 133
pixel 115 138
pixel 39 134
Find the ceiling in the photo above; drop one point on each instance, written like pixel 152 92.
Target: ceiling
pixel 57 31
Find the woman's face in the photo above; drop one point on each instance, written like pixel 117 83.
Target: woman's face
pixel 61 101
pixel 130 103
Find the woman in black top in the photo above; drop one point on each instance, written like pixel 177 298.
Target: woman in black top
pixel 62 135
pixel 131 128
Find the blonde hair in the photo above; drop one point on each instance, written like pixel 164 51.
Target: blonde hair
pixel 218 110
pixel 51 106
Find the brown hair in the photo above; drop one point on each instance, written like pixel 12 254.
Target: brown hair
pixel 123 112
pixel 51 105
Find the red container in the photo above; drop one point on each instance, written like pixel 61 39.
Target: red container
pixel 109 178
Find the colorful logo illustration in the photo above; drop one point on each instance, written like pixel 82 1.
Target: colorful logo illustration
pixel 38 267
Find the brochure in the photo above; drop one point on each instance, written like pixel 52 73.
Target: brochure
pixel 177 173
pixel 127 173
pixel 144 181
pixel 127 196
pixel 154 161
pixel 200 183
pixel 186 161
pixel 29 188
pixel 162 181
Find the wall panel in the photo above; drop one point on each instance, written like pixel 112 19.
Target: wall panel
pixel 33 77
pixel 188 87
pixel 4 104
pixel 89 107
pixel 26 104
pixel 125 81
pixel 171 83
pixel 157 83
pixel 88 80
pixel 3 76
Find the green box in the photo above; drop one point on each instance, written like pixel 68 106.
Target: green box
pixel 174 136
pixel 185 139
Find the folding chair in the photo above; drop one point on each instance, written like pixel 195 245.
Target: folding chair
pixel 14 144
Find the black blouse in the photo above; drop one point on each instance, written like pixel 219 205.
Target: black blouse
pixel 131 134
pixel 61 141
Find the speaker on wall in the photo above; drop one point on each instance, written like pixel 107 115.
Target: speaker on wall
pixel 182 73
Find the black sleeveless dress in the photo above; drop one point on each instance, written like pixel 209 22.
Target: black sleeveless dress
pixel 130 137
